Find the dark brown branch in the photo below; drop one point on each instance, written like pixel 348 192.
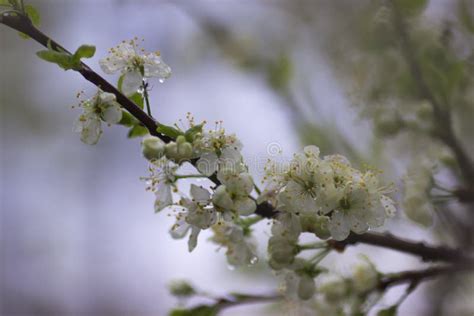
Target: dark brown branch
pixel 420 249
pixel 442 117
pixel 23 24
pixel 416 276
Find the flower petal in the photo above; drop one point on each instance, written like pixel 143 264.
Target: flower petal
pixel 132 81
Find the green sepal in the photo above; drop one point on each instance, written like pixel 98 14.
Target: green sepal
pixel 191 133
pixel 168 131
pixel 137 131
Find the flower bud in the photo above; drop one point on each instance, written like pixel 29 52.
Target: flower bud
pixel 153 147
pixel 306 287
pixel 365 277
pixel 333 290
pixel 181 289
pixel 315 224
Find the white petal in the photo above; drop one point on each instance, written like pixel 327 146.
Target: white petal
pixel 90 128
pixel 312 151
pixel 200 194
pixel 131 82
pixel 106 97
pixel 192 242
pixel 241 184
pixel 230 155
pixel 245 206
pixel 389 205
pixel 222 198
pixel 338 226
pixel 179 229
pixel 155 67
pixel 112 114
pixel 357 223
pixel 164 197
pixel 207 164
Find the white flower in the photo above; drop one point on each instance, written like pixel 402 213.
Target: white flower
pixel 333 287
pixel 234 194
pixel 365 277
pixel 297 281
pixel 197 215
pixel 418 183
pixel 219 151
pixel 100 107
pixel 135 65
pixel 162 182
pixel 240 249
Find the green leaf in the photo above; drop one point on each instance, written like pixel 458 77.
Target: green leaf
pixel 391 311
pixel 137 98
pixel 192 132
pixel 464 15
pixel 168 131
pixel 137 131
pixel 84 51
pixel 63 60
pixel 128 119
pixel 201 310
pixel 33 15
pixel 411 7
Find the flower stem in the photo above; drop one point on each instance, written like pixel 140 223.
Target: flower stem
pixel 186 176
pixel 314 245
pixel 146 97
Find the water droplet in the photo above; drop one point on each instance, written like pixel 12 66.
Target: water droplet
pixel 230 267
pixel 161 80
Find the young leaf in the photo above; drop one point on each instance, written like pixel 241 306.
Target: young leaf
pixel 84 51
pixel 137 131
pixel 63 60
pixel 33 15
pixel 168 131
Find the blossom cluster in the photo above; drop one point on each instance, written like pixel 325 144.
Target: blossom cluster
pixel 214 152
pixel 327 195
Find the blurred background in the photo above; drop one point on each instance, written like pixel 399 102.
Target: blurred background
pixel 78 232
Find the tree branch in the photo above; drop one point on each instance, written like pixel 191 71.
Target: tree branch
pixel 416 276
pixel 420 249
pixel 442 116
pixel 22 24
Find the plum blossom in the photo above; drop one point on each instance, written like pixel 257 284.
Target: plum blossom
pixel 135 65
pixel 198 214
pixel 162 182
pixel 101 107
pixel 233 194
